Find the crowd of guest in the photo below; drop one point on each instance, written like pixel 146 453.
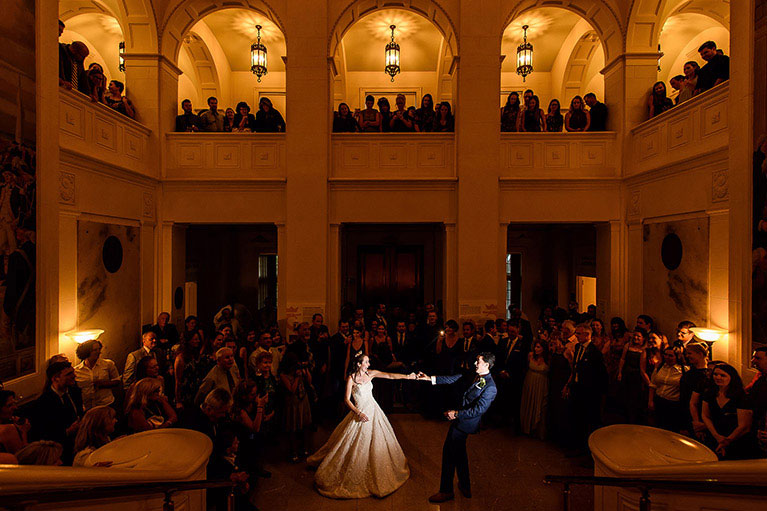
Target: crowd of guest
pixel 248 389
pixel 267 119
pixel 693 80
pixel 92 81
pixel 428 118
pixel 529 116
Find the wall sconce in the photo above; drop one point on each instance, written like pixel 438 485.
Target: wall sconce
pixel 392 56
pixel 708 334
pixel 258 57
pixel 80 336
pixel 121 53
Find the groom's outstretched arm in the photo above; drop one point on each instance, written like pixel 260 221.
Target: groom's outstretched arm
pixel 445 380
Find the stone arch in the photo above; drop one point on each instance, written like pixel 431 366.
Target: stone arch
pixel 428 9
pixel 647 18
pixel 206 74
pixel 68 9
pixel 188 12
pixel 599 14
pixel 578 69
pixel 139 23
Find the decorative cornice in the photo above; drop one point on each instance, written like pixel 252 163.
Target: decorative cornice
pixel 718 159
pixel 508 184
pixel 224 185
pixel 154 57
pixel 83 163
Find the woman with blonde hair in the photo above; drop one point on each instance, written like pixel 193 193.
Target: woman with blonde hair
pixel 148 408
pixel 98 423
pixel 42 452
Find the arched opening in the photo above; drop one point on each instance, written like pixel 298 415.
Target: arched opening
pixel 568 56
pixel 214 57
pixel 427 60
pixel 102 33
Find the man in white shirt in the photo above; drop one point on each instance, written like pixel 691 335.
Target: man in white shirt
pixel 148 343
pixel 224 375
pixel 265 345
pixel 95 376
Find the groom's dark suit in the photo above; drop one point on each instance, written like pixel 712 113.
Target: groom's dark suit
pixel 480 392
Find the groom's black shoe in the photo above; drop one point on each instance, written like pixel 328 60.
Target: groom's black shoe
pixel 441 497
pixel 465 491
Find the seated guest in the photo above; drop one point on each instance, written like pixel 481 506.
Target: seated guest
pixel 555 121
pixel 116 101
pixel 57 412
pixel 13 430
pixel 727 416
pixel 97 82
pixel 510 113
pixel 677 83
pixel 228 120
pixel 42 452
pixel 188 121
pixel 597 112
pixel 757 395
pixel 148 343
pixel 97 425
pixel 664 397
pixel 224 375
pixel 384 109
pixel 204 418
pixel 369 119
pixel 343 122
pixel 532 117
pixel 424 116
pixel 71 69
pixel 717 67
pixel 658 102
pixel 577 119
pixel 148 408
pixel 690 84
pixel 444 120
pixel 401 120
pixel 211 119
pixel 244 121
pixel 96 376
pixel 269 120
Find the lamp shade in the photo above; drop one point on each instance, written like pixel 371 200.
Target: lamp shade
pixel 80 336
pixel 258 56
pixel 708 334
pixel 524 56
pixel 391 67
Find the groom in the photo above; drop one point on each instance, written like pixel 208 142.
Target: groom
pixel 480 392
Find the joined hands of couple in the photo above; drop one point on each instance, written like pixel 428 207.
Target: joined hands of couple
pixel 420 376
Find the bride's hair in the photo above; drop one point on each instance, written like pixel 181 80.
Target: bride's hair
pixel 355 364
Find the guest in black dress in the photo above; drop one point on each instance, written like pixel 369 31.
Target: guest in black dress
pixel 424 116
pixel 727 416
pixel 343 122
pixel 510 113
pixel 659 102
pixel 243 119
pixel 385 109
pixel 269 120
pixel 577 119
pixel 444 121
pixel 532 117
pixel 554 119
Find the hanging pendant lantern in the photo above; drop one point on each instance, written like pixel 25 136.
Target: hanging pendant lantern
pixel 392 56
pixel 258 57
pixel 524 56
pixel 121 56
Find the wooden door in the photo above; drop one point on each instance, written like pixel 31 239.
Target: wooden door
pixel 390 274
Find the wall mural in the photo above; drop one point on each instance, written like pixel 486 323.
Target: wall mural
pixel 108 268
pixel 675 272
pixel 17 189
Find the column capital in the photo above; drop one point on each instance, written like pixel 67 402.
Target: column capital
pixel 150 60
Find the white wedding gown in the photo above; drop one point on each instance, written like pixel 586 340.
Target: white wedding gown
pixel 361 459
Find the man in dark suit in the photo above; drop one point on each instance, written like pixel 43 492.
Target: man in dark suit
pixel 510 369
pixel 588 381
pixel 57 412
pixel 403 343
pixel 148 343
pixel 479 394
pixel 72 73
pixel 525 329
pixel 489 341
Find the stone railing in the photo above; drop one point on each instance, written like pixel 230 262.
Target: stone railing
pixel 213 156
pixel 384 156
pixel 96 132
pixel 559 155
pixel 689 131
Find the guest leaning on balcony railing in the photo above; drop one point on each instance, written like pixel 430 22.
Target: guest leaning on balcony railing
pixel 115 100
pixel 597 113
pixel 386 114
pixel 659 102
pixel 268 119
pixel 510 113
pixel 554 118
pixel 343 122
pixel 424 116
pixel 369 119
pixel 211 119
pixel 229 120
pixel 401 120
pixel 71 71
pixel 444 121
pixel 243 121
pixel 187 121
pixel 97 82
pixel 690 84
pixel 717 67
pixel 577 119
pixel 531 119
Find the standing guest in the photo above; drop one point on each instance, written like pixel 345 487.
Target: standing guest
pixel 267 386
pixel 296 407
pixel 192 324
pixel 489 341
pixel 554 118
pixel 613 351
pixel 633 378
pixel 369 119
pixel 228 120
pixel 188 121
pixel 535 391
pixel 249 413
pixel 470 343
pixel 677 83
pixel 41 452
pixel 757 395
pixel 188 368
pixel 598 334
pixel 57 412
pixel 513 363
pixel 559 375
pixel 95 376
pixel 510 113
pixel 343 121
pixel 167 340
pixel 148 408
pixel 403 343
pixel 97 82
pixel 665 399
pixel 532 118
pixel 13 430
pixel 597 111
pixel 727 416
pixel 245 350
pixel 444 121
pixel 386 114
pixel 226 317
pixel 356 346
pixel 692 385
pixel 586 386
pixel 401 120
pixel 690 83
pixel 224 375
pixel 684 334
pixel 577 119
pixel 268 119
pixel 211 119
pixel 243 121
pixel 116 101
pixel 147 367
pixel 206 417
pixel 717 67
pixel 526 97
pixel 71 69
pixel 382 350
pixel 659 102
pixel 97 425
pixel 148 343
pixel 424 116
pixel 266 345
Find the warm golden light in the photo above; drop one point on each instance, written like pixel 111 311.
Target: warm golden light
pixel 524 56
pixel 80 336
pixel 121 53
pixel 258 56
pixel 392 56
pixel 708 334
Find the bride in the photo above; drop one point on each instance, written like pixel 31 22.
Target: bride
pixel 362 457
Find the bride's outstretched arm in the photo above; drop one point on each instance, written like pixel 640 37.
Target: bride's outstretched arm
pixel 348 400
pixel 391 376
